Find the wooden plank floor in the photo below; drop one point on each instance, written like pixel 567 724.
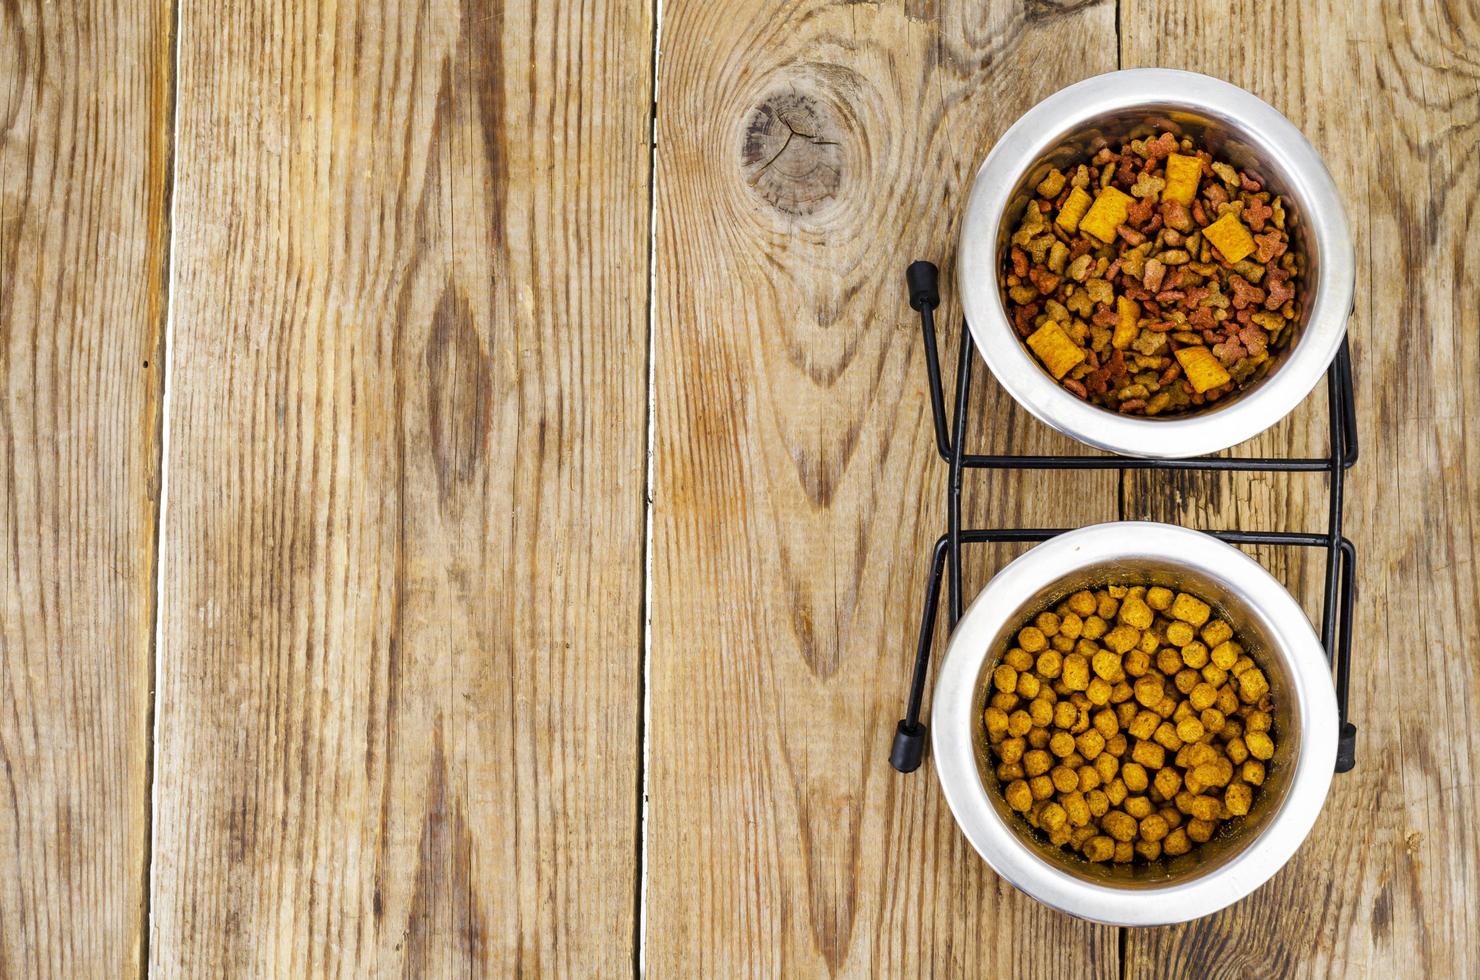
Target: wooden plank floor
pixel 466 476
pixel 84 243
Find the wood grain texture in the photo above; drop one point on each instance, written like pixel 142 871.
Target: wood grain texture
pixel 806 152
pixel 84 175
pixel 402 576
pixel 1387 93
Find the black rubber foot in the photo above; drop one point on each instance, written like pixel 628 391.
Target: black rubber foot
pixel 909 746
pixel 923 280
pixel 1346 748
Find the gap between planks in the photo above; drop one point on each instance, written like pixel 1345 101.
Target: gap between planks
pixel 165 359
pixel 645 617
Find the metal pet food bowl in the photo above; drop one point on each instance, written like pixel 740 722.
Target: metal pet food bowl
pixel 1069 127
pixel 1275 632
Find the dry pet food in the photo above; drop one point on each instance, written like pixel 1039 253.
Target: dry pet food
pixel 1153 280
pixel 1128 723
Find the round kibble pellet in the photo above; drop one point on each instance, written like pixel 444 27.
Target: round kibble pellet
pixel 1154 827
pixel 1137 806
pixel 1031 639
pixel 1260 745
pixel 1018 659
pixel 1005 679
pixel 1099 848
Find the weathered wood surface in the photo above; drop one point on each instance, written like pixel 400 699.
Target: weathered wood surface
pixel 806 152
pixel 399 681
pixel 401 571
pixel 1386 884
pixel 84 176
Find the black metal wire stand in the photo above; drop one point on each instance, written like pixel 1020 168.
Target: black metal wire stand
pixel 945 561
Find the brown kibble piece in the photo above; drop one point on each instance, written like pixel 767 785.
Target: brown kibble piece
pixel 1036 762
pixel 1064 714
pixel 1190 609
pixel 1119 825
pixel 1168 782
pixel 1137 806
pixel 1200 697
pixel 1216 632
pixel 1149 754
pixel 1122 638
pixel 1076 672
pixel 1108 665
pixel 1099 848
pixel 1237 798
pixel 1077 808
pixel 1200 830
pixel 1154 827
pixel 1204 808
pixel 1031 639
pixel 1166 736
pixel 1195 655
pixel 1011 749
pixel 1144 724
pixel 1179 634
pixel 1148 691
pixel 1028 686
pixel 1018 659
pixel 1136 613
pixel 1004 678
pixel 1050 663
pixel 1090 743
pixel 1252 685
pixel 1190 730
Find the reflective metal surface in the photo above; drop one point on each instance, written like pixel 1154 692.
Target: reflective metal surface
pixel 1234 125
pixel 1276 633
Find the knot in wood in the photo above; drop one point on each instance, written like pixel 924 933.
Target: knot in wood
pixel 792 155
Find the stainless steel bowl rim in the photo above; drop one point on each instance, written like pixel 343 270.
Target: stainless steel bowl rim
pixel 1307 180
pixel 954 726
